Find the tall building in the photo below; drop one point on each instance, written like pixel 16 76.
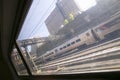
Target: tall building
pixel 61 12
pixel 91 18
pixel 68 7
pixel 54 21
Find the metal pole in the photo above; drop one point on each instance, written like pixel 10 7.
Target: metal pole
pixel 31 59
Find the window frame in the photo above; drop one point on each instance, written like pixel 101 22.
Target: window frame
pixel 23 58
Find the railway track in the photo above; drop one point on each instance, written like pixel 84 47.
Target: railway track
pixel 101 58
pixel 97 50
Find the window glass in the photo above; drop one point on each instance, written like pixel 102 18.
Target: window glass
pixel 73 43
pixel 71 36
pixel 64 47
pixel 77 40
pixel 18 63
pixel 68 44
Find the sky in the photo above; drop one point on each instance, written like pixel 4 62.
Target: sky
pixel 34 25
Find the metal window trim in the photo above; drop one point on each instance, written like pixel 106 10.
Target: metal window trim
pixel 23 59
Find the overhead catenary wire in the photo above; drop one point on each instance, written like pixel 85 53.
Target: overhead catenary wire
pixel 32 12
pixel 40 21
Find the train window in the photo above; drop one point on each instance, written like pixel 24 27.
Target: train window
pixel 18 63
pixel 61 48
pixel 49 54
pixel 51 26
pixel 64 47
pixel 68 44
pixel 78 40
pixel 73 43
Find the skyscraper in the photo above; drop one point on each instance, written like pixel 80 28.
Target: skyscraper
pixel 61 12
pixel 54 21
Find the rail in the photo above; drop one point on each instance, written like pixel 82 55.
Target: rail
pixel 101 58
pixel 94 49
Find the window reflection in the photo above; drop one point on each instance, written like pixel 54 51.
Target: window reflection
pixel 81 38
pixel 18 63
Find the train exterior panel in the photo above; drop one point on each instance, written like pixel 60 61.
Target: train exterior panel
pixel 85 38
pixel 108 27
pixel 75 42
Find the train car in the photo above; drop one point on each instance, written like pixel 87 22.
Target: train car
pixel 81 40
pixel 105 29
pixel 110 28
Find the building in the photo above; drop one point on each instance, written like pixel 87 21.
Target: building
pixel 61 12
pixel 68 7
pixel 90 18
pixel 84 21
pixel 54 21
